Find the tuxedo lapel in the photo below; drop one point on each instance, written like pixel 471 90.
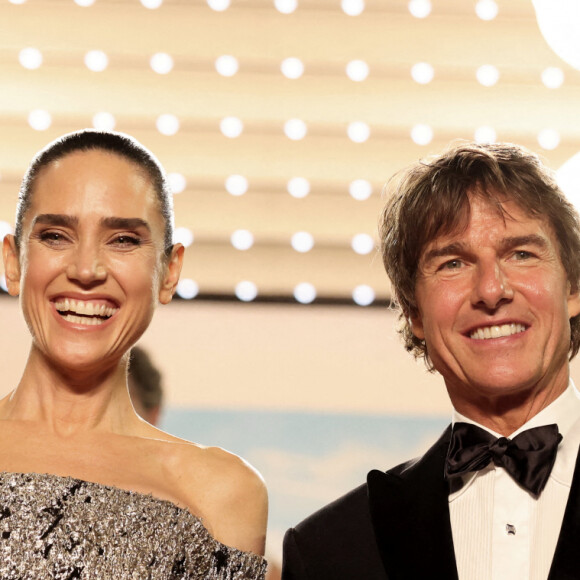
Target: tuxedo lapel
pixel 565 563
pixel 410 513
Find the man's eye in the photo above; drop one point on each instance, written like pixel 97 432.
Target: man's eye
pixel 522 255
pixel 452 265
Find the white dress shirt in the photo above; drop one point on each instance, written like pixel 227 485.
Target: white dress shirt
pixel 500 532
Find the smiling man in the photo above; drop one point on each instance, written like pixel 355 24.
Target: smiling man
pixel 483 252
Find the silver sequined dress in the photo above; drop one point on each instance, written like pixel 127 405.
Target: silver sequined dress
pixel 60 528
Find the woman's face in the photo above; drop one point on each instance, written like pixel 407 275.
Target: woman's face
pixel 91 266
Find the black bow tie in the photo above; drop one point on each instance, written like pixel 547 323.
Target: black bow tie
pixel 528 457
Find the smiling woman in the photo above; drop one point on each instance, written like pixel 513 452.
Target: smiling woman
pixel 108 495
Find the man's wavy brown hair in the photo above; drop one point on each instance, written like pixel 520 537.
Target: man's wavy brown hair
pixel 432 198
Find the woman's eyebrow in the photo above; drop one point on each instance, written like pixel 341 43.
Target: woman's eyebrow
pixel 55 219
pixel 119 223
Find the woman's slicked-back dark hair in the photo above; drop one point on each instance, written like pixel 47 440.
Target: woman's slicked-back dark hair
pixel 110 141
pixel 432 198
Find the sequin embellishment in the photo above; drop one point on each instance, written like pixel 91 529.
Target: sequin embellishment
pixel 60 528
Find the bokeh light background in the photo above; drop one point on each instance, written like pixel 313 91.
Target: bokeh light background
pixel 278 122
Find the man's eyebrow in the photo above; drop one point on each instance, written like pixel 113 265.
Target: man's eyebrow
pixel 447 250
pixel 118 223
pixel 55 219
pixel 529 240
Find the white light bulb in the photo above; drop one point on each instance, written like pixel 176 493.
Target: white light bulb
pixel 363 295
pixel 84 3
pixel 39 120
pixel 177 183
pixel 302 242
pixel 422 134
pixel 104 121
pixel 246 291
pixel 486 9
pixel 422 73
pixel 30 58
pixel 358 131
pixel 548 139
pixel 487 75
pixel 152 4
pixel 485 134
pixel 357 70
pixel 362 244
pixel 420 8
pixel 295 129
pixel 183 236
pixel 187 288
pixel 231 127
pixel 167 124
pixel 286 6
pixel 236 185
pixel 352 7
pixel 161 63
pixel 360 189
pixel 553 77
pixel 96 60
pixel 298 187
pixel 292 68
pixel 218 5
pixel 305 293
pixel 227 65
pixel 242 239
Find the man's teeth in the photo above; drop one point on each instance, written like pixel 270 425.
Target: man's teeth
pixel 497 331
pixel 83 312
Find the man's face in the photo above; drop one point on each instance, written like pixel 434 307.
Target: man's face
pixel 494 305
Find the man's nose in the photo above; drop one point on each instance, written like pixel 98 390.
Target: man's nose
pixel 491 286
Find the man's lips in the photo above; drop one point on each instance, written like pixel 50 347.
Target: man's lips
pixel 497 331
pixel 89 312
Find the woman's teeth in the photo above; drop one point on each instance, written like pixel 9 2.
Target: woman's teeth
pixel 84 312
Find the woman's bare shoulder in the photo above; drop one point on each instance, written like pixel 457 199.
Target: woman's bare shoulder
pixel 223 489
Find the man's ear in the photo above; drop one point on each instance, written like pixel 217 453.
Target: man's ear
pixel 171 274
pixel 416 324
pixel 11 264
pixel 573 302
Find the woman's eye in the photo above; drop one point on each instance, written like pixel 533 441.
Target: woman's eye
pixel 126 241
pixel 53 238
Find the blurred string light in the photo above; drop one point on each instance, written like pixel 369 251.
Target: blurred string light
pixel 152 4
pixel 177 183
pixel 96 60
pixel 183 236
pixel 302 242
pixel 568 178
pixel 218 5
pixel 357 70
pixel 305 293
pixel 292 68
pixel 39 119
pixel 559 23
pixel 84 3
pixel 422 73
pixel 187 288
pixel 363 295
pixel 358 132
pixel 352 7
pixel 553 77
pixel 167 124
pixel 236 185
pixel 231 127
pixel 5 228
pixel 104 121
pixel 246 291
pixel 485 134
pixel 362 244
pixel 298 187
pixel 422 134
pixel 486 9
pixel 295 129
pixel 161 63
pixel 360 189
pixel 286 6
pixel 17 1
pixel 242 239
pixel 548 139
pixel 420 8
pixel 227 65
pixel 30 58
pixel 487 75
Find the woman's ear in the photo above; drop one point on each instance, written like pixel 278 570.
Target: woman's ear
pixel 171 274
pixel 11 264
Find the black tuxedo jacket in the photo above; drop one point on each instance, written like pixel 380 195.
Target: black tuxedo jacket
pixel 397 527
